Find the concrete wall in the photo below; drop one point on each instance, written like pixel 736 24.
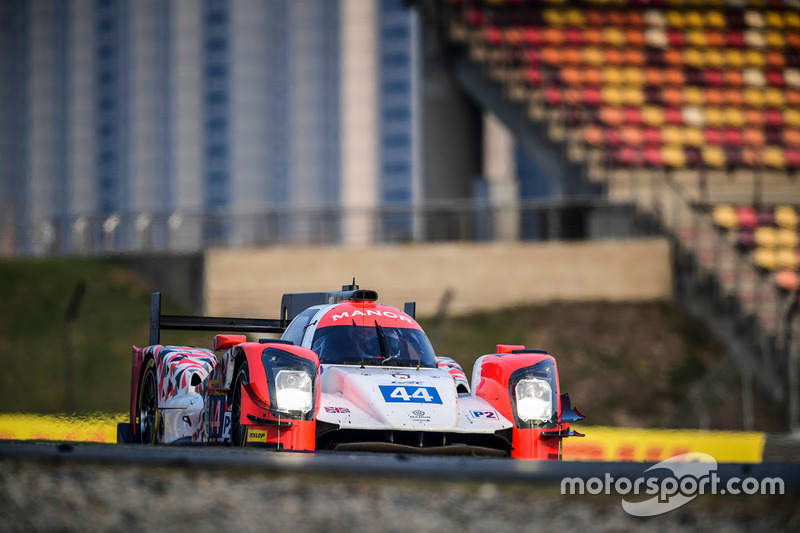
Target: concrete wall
pixel 479 276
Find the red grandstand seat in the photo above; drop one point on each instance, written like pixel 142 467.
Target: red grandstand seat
pixel 532 36
pixel 773 118
pixel 673 116
pixel 712 135
pixel 613 137
pixel 493 36
pixel 573 37
pixel 746 217
pixel 533 76
pixel 732 137
pixel 592 96
pixel 652 157
pixel 651 136
pixel 629 156
pixel 713 77
pixel 675 38
pixel 736 39
pixel 632 115
pixel 552 96
pixel 774 78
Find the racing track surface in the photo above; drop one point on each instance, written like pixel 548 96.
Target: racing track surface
pixel 81 487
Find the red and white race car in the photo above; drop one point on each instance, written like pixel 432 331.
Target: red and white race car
pixel 347 374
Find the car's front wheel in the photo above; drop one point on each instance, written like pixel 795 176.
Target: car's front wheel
pixel 147 405
pixel 238 431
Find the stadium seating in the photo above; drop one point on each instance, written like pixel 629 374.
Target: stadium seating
pixel 770 233
pixel 669 84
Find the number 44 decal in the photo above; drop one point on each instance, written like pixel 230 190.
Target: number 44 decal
pixel 409 394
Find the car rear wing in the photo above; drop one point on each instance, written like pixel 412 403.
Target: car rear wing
pixel 160 322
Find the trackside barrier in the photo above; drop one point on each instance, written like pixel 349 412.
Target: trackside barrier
pixel 654 445
pixel 600 444
pixel 91 428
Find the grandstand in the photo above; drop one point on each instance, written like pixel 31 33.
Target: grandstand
pixel 690 110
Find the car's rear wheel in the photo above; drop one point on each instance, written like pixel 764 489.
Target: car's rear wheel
pixel 147 405
pixel 238 431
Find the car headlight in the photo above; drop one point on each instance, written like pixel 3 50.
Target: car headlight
pixel 293 391
pixel 534 400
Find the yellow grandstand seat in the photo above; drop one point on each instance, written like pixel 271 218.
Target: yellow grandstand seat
pixel 754 58
pixel 612 76
pixel 693 95
pixel 724 216
pixel 694 57
pixel 785 258
pixel 715 19
pixel 766 236
pixel 713 58
pixel 773 97
pixel 786 217
pixel 773 19
pixel 673 156
pixel 713 156
pixel 753 97
pixel 653 116
pixel 791 117
pixel 632 76
pixel 774 157
pixel 693 136
pixel 734 117
pixel 713 116
pixel 734 58
pixel 672 135
pixel 696 38
pixel 765 258
pixel 613 37
pixel 787 238
pixel 774 39
pixel 791 19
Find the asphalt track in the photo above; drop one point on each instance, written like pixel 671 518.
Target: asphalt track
pixel 107 487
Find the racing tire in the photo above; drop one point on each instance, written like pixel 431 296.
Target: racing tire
pixel 238 431
pixel 147 405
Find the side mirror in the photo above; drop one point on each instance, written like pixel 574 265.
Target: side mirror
pixel 224 342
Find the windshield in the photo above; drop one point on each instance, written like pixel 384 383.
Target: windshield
pixel 400 346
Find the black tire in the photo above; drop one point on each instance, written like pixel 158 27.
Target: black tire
pixel 238 431
pixel 147 405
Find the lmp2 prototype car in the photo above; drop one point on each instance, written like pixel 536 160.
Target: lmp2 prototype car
pixel 347 374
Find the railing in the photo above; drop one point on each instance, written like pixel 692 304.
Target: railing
pixel 184 231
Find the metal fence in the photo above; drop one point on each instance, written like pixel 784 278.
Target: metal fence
pixel 183 231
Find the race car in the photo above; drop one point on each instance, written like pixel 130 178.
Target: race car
pixel 347 374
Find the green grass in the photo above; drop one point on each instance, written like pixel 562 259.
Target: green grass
pixel 34 295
